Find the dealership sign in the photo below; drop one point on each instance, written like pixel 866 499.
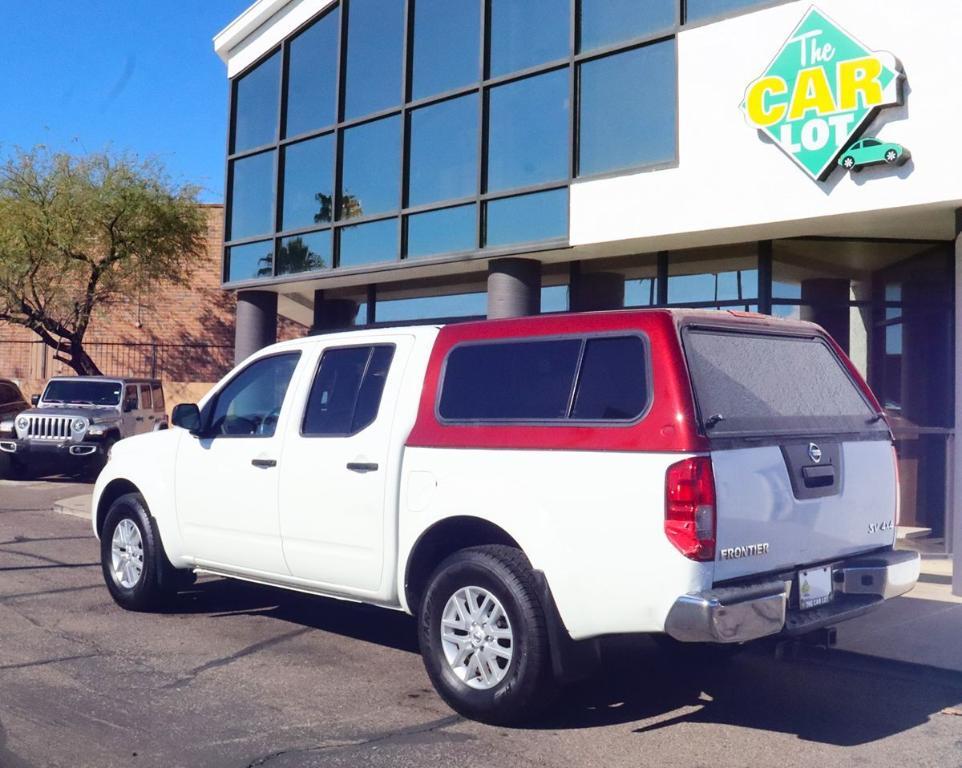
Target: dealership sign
pixel 820 92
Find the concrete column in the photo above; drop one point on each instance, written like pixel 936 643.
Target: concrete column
pixel 256 323
pixel 514 288
pixel 860 325
pixel 827 300
pixel 332 314
pixel 596 291
pixel 955 516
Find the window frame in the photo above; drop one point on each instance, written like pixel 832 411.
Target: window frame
pixel 211 404
pixel 317 369
pixel 572 394
pixel 480 196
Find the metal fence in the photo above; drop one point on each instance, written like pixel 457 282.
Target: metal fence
pixel 21 359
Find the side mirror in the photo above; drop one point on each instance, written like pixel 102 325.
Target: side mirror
pixel 34 400
pixel 186 416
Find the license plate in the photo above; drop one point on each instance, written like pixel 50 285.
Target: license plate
pixel 815 587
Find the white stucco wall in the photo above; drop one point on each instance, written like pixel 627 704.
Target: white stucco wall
pixel 728 177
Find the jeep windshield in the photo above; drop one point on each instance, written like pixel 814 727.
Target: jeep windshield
pixel 761 384
pixel 80 392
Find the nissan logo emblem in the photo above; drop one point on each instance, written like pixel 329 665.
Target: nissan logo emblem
pixel 814 452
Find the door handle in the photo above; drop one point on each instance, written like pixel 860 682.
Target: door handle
pixel 362 466
pixel 264 463
pixel 139 418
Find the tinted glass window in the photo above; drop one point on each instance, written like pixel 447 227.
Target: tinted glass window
pixel 528 131
pixel 251 402
pixel 607 22
pixel 158 397
pixel 699 10
pixel 457 305
pixel 369 243
pixel 330 407
pixel 247 262
pixel 145 399
pixel 312 76
pixel 9 393
pixel 748 383
pixel 252 196
pixel 444 151
pixel 305 253
pixel 527 218
pixel 130 398
pixel 444 231
pixel 613 384
pixel 374 40
pixel 446 44
pixel 509 380
pixel 372 387
pixel 308 183
pixel 628 109
pixel 347 390
pixel 255 105
pixel 371 174
pixel 525 33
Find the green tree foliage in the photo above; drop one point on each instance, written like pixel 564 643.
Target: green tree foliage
pixel 80 233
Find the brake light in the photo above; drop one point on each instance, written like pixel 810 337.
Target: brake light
pixel 690 508
pixel 898 487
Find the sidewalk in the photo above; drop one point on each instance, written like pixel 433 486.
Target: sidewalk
pixel 75 506
pixel 922 627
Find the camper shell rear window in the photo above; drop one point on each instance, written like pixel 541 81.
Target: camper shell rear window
pixel 756 383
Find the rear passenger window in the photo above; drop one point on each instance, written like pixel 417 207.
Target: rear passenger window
pixel 347 390
pixel 576 379
pixel 158 396
pixel 145 401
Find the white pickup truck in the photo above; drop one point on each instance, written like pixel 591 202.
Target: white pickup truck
pixel 526 486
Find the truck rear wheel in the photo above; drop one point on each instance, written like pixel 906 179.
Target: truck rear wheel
pixel 483 635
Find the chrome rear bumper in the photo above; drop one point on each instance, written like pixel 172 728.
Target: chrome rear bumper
pixel 741 613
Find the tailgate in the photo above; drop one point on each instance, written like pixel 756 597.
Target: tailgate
pixel 804 466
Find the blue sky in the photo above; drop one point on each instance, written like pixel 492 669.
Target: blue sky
pixel 137 75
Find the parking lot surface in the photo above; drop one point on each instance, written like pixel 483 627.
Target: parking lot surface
pixel 242 675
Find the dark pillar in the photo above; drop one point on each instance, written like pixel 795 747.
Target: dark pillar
pixel 596 291
pixel 332 314
pixel 256 323
pixel 514 288
pixel 765 269
pixel 826 303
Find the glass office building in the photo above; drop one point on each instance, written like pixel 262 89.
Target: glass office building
pixel 400 160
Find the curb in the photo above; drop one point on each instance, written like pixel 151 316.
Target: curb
pixel 75 506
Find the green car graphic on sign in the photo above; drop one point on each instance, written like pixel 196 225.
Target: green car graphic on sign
pixel 873 152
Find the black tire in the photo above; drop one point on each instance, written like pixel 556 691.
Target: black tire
pixel 15 469
pixel 891 156
pixel 846 165
pixel 506 574
pixel 157 582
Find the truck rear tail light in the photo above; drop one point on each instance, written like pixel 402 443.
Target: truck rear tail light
pixel 690 508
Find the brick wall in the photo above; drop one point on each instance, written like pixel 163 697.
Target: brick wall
pixel 192 326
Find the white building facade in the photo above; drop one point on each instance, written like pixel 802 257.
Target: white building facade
pixel 400 160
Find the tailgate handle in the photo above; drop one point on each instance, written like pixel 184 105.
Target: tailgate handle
pixel 818 477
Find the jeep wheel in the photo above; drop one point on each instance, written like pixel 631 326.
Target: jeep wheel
pixel 483 635
pixel 136 570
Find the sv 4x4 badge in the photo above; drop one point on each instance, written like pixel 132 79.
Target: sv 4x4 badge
pixel 818 95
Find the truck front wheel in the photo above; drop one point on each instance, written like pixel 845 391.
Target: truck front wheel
pixel 135 567
pixel 483 635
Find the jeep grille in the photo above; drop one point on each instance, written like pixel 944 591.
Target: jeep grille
pixel 49 427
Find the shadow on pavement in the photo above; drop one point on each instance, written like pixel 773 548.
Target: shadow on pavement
pixel 829 697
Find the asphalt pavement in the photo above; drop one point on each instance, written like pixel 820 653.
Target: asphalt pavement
pixel 242 675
